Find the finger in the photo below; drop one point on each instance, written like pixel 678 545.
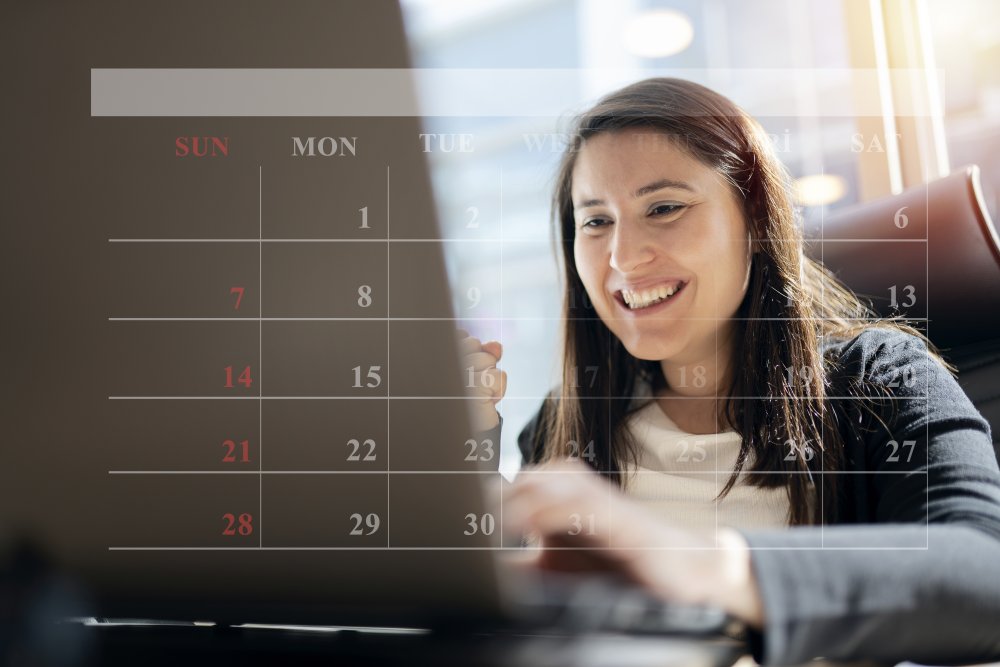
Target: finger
pixel 622 525
pixel 501 388
pixel 546 485
pixel 469 345
pixel 489 384
pixel 543 489
pixel 570 464
pixel 494 348
pixel 565 464
pixel 577 520
pixel 544 497
pixel 493 379
pixel 480 361
pixel 461 333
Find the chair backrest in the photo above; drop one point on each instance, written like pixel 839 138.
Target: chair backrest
pixel 931 253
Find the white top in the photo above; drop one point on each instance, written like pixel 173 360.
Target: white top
pixel 679 475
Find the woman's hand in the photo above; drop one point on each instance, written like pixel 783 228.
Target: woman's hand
pixel 586 524
pixel 487 382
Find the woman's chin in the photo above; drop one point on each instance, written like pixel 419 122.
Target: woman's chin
pixel 647 351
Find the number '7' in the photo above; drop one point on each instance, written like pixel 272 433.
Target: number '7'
pixel 238 291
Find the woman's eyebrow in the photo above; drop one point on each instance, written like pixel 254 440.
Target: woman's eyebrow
pixel 644 190
pixel 660 185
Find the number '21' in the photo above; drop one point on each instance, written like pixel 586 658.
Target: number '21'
pixel 231 448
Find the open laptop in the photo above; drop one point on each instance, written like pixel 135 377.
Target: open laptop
pixel 237 398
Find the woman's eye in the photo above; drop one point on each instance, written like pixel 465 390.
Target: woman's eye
pixel 666 209
pixel 593 223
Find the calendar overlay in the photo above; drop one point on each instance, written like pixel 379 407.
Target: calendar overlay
pixel 269 297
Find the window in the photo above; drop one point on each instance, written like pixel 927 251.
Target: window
pixel 793 64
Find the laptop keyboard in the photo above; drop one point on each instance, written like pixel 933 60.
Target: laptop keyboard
pixel 598 604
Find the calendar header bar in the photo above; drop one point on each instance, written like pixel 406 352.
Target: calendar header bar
pixel 481 92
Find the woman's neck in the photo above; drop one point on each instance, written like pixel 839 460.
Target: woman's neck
pixel 695 389
pixel 704 373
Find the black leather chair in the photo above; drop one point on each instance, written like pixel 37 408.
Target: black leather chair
pixel 930 253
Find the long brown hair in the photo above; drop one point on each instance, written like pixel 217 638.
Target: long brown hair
pixel 778 392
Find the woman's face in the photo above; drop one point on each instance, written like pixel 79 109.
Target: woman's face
pixel 651 219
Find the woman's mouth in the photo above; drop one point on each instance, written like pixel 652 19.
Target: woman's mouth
pixel 649 300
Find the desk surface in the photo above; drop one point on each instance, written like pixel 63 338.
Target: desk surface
pixel 127 644
pixel 152 645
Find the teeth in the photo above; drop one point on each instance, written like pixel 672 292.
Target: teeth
pixel 641 299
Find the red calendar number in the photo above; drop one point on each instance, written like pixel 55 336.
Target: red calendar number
pixel 230 456
pixel 244 379
pixel 238 291
pixel 242 525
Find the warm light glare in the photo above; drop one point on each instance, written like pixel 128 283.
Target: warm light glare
pixel 819 189
pixel 658 33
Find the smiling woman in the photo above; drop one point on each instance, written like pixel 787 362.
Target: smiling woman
pixel 749 407
pixel 672 184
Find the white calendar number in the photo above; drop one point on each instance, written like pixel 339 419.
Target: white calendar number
pixel 365 296
pixel 805 373
pixel 373 378
pixel 895 447
pixel 807 451
pixel 906 374
pixel 357 447
pixel 577 522
pixel 485 379
pixel 476 524
pixel 473 222
pixel 692 453
pixel 585 452
pixel 911 296
pixel 479 451
pixel 364 525
pixel 900 219
pixel 474 296
pixel 589 376
pixel 699 378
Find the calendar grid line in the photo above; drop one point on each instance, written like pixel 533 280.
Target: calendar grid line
pixel 927 291
pixel 260 352
pixel 472 398
pixel 459 319
pixel 388 335
pixel 715 291
pixel 517 549
pixel 260 319
pixel 822 421
pixel 610 441
pixel 515 239
pixel 499 444
pixel 685 473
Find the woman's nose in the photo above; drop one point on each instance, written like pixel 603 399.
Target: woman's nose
pixel 630 248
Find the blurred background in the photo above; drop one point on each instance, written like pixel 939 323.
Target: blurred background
pixel 861 98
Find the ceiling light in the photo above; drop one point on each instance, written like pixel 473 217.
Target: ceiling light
pixel 658 33
pixel 819 189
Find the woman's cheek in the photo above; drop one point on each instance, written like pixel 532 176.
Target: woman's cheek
pixel 588 269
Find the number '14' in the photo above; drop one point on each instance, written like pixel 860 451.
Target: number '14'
pixel 244 378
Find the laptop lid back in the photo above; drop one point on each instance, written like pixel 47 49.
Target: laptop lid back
pixel 231 389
